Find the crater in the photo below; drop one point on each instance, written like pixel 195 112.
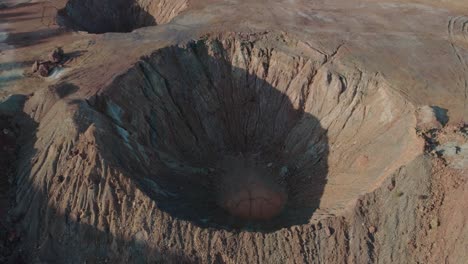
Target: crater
pixel 101 16
pixel 244 132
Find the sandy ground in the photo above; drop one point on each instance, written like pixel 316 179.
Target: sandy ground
pixel 394 199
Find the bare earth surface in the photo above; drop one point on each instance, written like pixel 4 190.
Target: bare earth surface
pixel 234 131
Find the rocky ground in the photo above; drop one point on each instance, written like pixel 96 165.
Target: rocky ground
pixel 207 131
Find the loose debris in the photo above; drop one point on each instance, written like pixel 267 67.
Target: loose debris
pixel 44 68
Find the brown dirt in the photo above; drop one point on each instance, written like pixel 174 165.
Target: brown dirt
pixel 307 132
pixel 248 191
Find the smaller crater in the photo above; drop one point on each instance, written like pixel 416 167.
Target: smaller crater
pixel 101 16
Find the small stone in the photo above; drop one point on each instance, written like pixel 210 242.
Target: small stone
pixel 269 165
pixel 12 236
pixel 35 66
pixel 6 131
pixel 372 229
pixel 44 70
pixel 427 118
pixel 56 55
pixel 60 178
pixel 391 186
pixel 284 171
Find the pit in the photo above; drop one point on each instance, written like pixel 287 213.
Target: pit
pixel 239 132
pixel 101 16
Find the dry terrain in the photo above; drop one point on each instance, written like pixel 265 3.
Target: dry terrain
pixel 234 131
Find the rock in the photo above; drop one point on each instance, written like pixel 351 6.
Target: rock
pixel 449 149
pixel 284 171
pixel 391 186
pixel 372 229
pixel 428 118
pixel 56 56
pixel 13 236
pixel 35 66
pixel 44 70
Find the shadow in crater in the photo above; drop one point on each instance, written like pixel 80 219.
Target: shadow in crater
pixel 441 114
pixel 194 111
pixel 13 124
pixel 24 210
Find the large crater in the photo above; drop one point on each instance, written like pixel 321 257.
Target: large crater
pixel 100 16
pixel 239 132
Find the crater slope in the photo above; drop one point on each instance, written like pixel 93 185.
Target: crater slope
pixel 234 132
pixel 229 136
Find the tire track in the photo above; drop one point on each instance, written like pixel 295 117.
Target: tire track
pixel 458 25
